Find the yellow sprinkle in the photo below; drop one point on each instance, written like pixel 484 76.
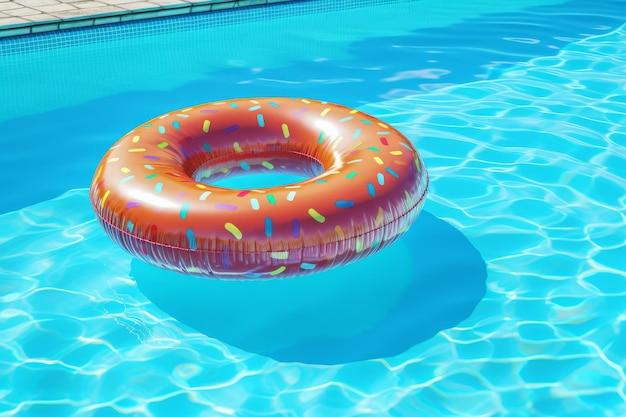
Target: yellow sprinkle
pixel 285 130
pixel 324 112
pixel 104 198
pixel 201 186
pixel 125 170
pixel 316 216
pixel 254 102
pixel 112 160
pixel 137 150
pixel 356 146
pixel 379 217
pixel 378 160
pixel 164 116
pixel 206 125
pixel 136 139
pixel 280 255
pixel 339 232
pixel 305 101
pixel 382 125
pixel 237 147
pixel 187 109
pixel 278 270
pixel 396 153
pixel 234 230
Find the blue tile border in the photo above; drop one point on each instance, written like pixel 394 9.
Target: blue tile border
pixel 127 15
pixel 96 29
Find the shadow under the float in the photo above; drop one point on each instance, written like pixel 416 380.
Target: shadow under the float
pixel 429 280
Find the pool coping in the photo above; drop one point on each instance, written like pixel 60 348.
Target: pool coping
pixel 121 16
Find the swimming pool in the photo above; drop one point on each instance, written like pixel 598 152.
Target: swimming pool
pixel 506 297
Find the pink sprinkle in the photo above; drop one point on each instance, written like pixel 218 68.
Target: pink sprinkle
pixel 383 140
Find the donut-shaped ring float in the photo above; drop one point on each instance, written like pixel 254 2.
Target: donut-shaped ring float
pixel 152 190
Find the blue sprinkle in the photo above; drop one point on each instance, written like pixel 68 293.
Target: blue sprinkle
pixel 231 129
pixel 371 190
pixel 191 238
pixel 381 178
pixel 260 120
pixel 295 228
pixel 271 103
pixel 176 124
pixel 344 203
pixel 161 129
pixel 233 105
pixel 357 133
pixel 253 108
pixel 268 227
pixel 245 166
pixel 305 265
pixel 129 226
pixel 392 172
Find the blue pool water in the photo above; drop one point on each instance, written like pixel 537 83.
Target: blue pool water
pixel 505 299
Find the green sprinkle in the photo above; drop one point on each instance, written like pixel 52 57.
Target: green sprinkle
pixel 271 198
pixel 234 230
pixel 267 165
pixel 148 177
pixel 351 175
pixel 278 270
pixel 316 216
pixel 163 145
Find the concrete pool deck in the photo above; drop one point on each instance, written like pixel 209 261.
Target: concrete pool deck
pixel 24 17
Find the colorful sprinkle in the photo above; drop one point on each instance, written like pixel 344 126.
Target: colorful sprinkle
pixel 132 204
pixel 104 198
pixel 285 130
pixel 316 216
pixel 320 138
pixel 392 172
pixel 133 150
pixel 352 175
pixel 381 178
pixel 254 203
pixel 148 166
pixel 268 227
pixel 231 129
pixel 384 141
pixel 222 206
pixel 345 119
pixel 204 195
pixel 271 199
pixel 379 217
pixel 291 195
pixel 206 126
pixel 243 193
pixel 135 138
pixel 357 133
pixel 295 228
pixel 280 255
pixel 192 239
pixel 267 165
pixel 308 266
pixel 278 270
pixel 273 104
pixel 125 170
pixel 324 112
pixel 373 148
pixel 162 145
pixel 233 105
pixel 378 160
pixel 371 190
pixel 234 230
pixel 359 245
pixel 158 187
pixel 176 125
pixel 161 129
pixel 253 108
pixel 395 153
pixel 260 120
pixel 245 166
pixel 149 177
pixel 129 226
pixel 184 210
pixel 237 147
pixel 344 203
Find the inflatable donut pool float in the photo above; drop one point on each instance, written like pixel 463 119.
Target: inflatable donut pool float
pixel 152 190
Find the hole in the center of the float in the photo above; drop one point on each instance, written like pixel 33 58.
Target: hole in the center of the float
pixel 249 171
